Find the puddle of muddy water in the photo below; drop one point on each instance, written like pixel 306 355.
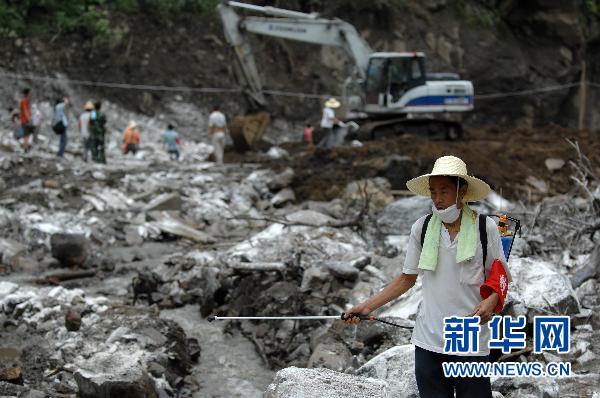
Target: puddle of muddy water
pixel 229 366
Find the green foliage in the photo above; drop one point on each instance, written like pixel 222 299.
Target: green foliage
pixel 476 15
pixel 11 20
pixel 88 17
pixel 592 6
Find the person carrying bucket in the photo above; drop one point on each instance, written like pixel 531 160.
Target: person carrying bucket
pixel 461 261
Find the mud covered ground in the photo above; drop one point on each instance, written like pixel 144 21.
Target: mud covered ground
pixel 503 158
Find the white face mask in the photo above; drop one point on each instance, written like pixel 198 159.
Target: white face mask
pixel 448 215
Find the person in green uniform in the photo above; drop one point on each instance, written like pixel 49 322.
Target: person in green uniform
pixel 97 132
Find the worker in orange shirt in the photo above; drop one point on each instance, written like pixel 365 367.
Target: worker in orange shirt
pixel 131 139
pixel 26 122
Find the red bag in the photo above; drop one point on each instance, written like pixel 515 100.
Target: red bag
pixel 497 282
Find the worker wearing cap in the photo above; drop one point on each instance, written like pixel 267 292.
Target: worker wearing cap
pixel 450 262
pixel 84 130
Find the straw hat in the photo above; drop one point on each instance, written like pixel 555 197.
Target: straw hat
pixel 453 167
pixel 132 124
pixel 88 106
pixel 332 103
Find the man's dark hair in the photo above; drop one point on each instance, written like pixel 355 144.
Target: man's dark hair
pixel 461 181
pixel 216 107
pixel 97 105
pixel 26 91
pixel 170 127
pixel 59 100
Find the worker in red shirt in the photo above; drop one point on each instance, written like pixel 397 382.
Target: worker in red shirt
pixel 26 123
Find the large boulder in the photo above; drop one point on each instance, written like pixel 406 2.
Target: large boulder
pixel 341 269
pixel 15 390
pixel 165 201
pixel 9 250
pixel 281 180
pixel 276 242
pixel 398 170
pixel 71 250
pixel 114 375
pixel 283 197
pixel 332 355
pixel 398 217
pixel 310 217
pixel 539 289
pixel 377 190
pixel 397 367
pixel 7 288
pixel 308 383
pixel 588 293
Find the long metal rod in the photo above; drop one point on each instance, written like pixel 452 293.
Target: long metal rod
pixel 342 317
pixel 272 318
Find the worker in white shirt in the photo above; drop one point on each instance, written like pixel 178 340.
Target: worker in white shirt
pixel 217 126
pixel 329 122
pixel 454 250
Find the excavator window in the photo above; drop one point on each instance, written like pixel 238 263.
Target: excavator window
pixel 376 82
pixel 417 72
pixel 405 73
pixel 389 78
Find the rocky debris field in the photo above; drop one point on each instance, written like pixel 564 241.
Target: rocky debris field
pixel 109 272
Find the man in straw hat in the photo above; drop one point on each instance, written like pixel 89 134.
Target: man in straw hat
pixel 450 259
pixel 329 122
pixel 84 130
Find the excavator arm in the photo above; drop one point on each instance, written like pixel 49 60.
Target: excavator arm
pixel 291 25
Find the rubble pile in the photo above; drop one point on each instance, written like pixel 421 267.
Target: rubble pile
pixel 111 270
pixel 79 343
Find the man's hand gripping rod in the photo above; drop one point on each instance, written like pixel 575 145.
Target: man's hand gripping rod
pixel 343 317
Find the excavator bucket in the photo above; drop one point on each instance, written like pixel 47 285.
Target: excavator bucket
pixel 247 131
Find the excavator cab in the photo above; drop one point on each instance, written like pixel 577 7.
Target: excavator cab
pixel 397 83
pixel 391 75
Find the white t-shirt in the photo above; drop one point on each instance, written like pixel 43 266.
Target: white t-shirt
pixel 217 119
pixel 84 122
pixel 327 119
pixel 36 116
pixel 452 289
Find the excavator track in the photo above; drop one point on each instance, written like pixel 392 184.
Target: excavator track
pixel 373 129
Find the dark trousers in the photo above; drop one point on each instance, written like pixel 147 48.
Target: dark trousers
pixel 130 148
pixel 62 145
pixel 433 384
pixel 174 154
pixel 98 148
